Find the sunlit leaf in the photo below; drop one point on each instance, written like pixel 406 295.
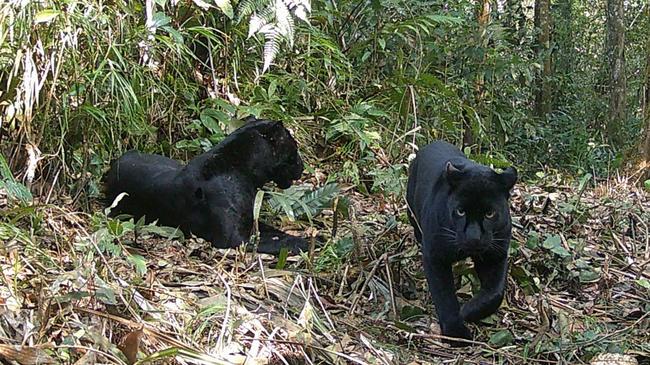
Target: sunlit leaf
pixel 226 7
pixel 202 4
pixel 46 16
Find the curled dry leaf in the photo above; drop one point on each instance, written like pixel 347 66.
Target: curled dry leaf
pixel 130 345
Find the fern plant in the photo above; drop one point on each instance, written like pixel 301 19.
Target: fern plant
pixel 298 201
pixel 273 19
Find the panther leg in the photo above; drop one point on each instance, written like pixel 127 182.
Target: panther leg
pixel 441 285
pixel 492 274
pixel 273 240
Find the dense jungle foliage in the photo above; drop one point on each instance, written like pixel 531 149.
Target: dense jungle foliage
pixel 560 89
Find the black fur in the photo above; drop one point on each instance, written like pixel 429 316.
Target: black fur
pixel 451 202
pixel 212 196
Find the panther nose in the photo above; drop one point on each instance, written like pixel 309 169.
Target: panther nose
pixel 473 233
pixel 474 242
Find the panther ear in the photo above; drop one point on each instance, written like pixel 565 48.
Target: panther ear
pixel 452 174
pixel 272 131
pixel 508 178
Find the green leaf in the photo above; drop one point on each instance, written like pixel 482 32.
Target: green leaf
pixel 14 189
pixel 554 244
pixel 160 19
pixel 138 262
pixel 282 258
pixel 46 16
pixel 209 119
pixel 552 241
pixel 643 283
pixel 409 311
pixel 105 295
pixel 226 7
pixel 588 276
pixel 646 184
pixel 257 206
pixel 115 228
pixel 202 4
pixel 533 240
pixel 501 338
pixel 163 231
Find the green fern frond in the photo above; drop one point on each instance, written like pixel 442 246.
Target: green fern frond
pixel 274 20
pixel 248 7
pixel 320 198
pixel 284 21
pixel 299 201
pixel 271 47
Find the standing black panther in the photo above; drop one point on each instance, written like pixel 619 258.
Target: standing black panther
pixel 460 209
pixel 212 196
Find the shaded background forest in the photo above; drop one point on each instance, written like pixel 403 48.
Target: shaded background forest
pixel 560 89
pixel 543 85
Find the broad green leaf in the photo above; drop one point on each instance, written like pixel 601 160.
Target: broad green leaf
pixel 46 16
pixel 588 276
pixel 643 282
pixel 160 19
pixel 533 240
pixel 139 263
pixel 226 7
pixel 409 311
pixel 16 190
pixel 202 4
pixel 106 295
pixel 554 244
pixel 646 184
pixel 501 338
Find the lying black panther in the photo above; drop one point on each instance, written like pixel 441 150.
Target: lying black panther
pixel 460 209
pixel 212 196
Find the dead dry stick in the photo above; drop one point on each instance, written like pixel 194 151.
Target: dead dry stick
pixel 335 217
pixel 226 316
pixel 344 280
pixel 365 284
pixel 390 287
pixel 266 288
pixel 646 254
pixel 314 292
pixel 339 354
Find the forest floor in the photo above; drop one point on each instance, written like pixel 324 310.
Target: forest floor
pixel 83 289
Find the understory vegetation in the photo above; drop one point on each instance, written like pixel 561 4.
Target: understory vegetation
pixel 547 86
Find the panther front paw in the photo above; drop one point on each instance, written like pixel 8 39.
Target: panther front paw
pixel 296 245
pixel 480 307
pixel 456 329
pixel 273 244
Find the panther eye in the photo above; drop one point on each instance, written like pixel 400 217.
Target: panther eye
pixel 460 212
pixel 490 214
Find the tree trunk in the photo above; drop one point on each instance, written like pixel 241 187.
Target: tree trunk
pixel 543 24
pixel 616 62
pixel 483 19
pixel 564 54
